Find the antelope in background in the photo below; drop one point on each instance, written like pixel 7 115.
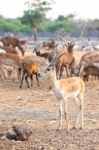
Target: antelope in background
pixel 66 60
pixel 11 41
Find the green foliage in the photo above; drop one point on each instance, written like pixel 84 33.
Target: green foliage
pixel 41 23
pixel 60 23
pixel 32 18
pixel 35 13
pixel 8 25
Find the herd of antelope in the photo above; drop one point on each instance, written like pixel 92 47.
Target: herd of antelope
pixel 13 61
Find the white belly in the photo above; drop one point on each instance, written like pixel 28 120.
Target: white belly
pixel 72 94
pixel 59 93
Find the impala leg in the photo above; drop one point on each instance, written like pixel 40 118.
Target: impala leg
pixel 66 118
pixel 13 74
pixel 4 73
pixel 19 71
pixel 37 79
pixel 66 67
pixel 60 113
pixel 26 79
pixel 31 77
pixel 58 68
pixel 22 79
pixel 78 117
pixel 81 109
pixel 61 71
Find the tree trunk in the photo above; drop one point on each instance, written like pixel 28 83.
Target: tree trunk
pixel 35 34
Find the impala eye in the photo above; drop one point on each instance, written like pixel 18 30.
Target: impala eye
pixel 48 69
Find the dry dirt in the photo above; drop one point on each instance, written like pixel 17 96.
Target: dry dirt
pixel 39 110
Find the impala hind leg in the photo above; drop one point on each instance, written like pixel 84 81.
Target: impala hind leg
pixel 81 109
pixel 67 71
pixel 60 114
pixel 78 117
pixel 14 73
pixel 37 79
pixel 31 77
pixel 22 79
pixel 4 73
pixel 65 110
pixel 26 79
pixel 80 106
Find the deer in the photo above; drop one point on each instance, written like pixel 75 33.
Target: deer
pixel 90 70
pixel 29 68
pixel 49 45
pixel 90 67
pixel 8 49
pixel 14 42
pixel 63 89
pixel 66 61
pixel 44 54
pixel 14 60
pixel 84 60
pixel 10 60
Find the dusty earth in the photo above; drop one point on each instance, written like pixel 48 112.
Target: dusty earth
pixel 39 110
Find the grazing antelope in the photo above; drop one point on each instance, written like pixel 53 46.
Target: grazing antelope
pixel 65 88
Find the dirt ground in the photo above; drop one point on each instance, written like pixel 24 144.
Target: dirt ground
pixel 39 110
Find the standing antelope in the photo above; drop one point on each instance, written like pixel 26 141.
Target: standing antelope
pixel 65 88
pixel 29 68
pixel 87 57
pixel 66 61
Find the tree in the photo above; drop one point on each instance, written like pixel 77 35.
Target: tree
pixel 60 18
pixel 35 14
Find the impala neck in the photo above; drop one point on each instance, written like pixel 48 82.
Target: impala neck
pixel 53 78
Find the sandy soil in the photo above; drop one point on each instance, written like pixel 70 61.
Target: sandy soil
pixel 39 110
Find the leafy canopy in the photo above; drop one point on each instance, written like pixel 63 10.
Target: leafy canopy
pixel 36 12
